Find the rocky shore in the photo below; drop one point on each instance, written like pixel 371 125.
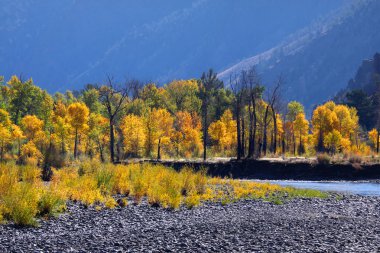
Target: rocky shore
pixel 336 224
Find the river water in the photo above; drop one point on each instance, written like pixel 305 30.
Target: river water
pixel 359 188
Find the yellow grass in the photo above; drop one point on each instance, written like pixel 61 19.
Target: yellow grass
pixel 23 196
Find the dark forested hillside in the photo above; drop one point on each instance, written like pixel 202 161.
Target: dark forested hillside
pixel 319 61
pixel 65 44
pixel 363 92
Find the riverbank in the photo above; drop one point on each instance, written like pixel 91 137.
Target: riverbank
pixel 347 224
pixel 279 169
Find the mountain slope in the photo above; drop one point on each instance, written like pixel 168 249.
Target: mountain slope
pixel 318 62
pixel 64 44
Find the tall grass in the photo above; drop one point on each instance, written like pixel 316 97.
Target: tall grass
pixel 24 197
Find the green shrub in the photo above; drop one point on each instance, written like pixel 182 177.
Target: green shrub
pixel 104 180
pixel 50 203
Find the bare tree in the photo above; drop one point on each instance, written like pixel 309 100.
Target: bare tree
pixel 114 98
pixel 272 99
pixel 238 87
pixel 254 92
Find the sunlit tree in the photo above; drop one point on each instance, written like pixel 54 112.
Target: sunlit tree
pixel 78 114
pixel 134 135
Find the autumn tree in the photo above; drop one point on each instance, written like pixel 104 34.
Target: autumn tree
pixel 294 108
pixel 188 135
pixel 374 137
pixel 32 126
pixel 18 136
pixel 61 125
pixel 98 133
pixel 301 126
pixel 78 114
pixel 223 132
pixel 330 117
pixel 182 95
pixel 5 140
pixel 134 130
pixel 159 126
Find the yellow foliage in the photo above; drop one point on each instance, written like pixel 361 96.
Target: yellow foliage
pixel 188 135
pixel 133 128
pixel 78 115
pixel 373 137
pixel 223 132
pixel 4 118
pixel 31 126
pixel 30 154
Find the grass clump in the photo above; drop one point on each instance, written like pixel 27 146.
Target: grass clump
pixel 323 159
pixel 355 159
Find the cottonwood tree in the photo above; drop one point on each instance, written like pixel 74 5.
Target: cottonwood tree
pixel 301 126
pixel 133 127
pixel 78 114
pixel 294 108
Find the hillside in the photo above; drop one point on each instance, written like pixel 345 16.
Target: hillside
pixel 318 62
pixel 64 44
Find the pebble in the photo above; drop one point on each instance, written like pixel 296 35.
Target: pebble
pixel 299 225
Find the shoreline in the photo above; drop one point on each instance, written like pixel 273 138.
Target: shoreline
pixel 276 169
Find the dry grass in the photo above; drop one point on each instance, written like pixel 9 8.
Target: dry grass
pixel 23 196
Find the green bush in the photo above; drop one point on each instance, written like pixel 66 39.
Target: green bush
pixel 50 203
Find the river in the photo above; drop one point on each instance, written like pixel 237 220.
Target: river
pixel 359 188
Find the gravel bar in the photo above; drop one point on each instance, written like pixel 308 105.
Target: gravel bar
pixel 350 224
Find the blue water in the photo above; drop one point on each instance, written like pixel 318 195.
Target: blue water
pixel 359 188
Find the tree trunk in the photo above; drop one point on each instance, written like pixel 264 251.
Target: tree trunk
pixel 238 129
pixel 112 142
pixel 19 148
pixel 204 132
pixel 243 143
pixel 159 149
pixel 76 144
pixel 251 140
pixel 274 131
pixel 265 137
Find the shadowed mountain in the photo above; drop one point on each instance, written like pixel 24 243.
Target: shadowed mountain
pixel 64 44
pixel 318 61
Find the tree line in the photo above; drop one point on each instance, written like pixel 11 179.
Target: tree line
pixel 196 118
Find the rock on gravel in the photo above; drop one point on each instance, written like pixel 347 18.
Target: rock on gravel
pixel 351 224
